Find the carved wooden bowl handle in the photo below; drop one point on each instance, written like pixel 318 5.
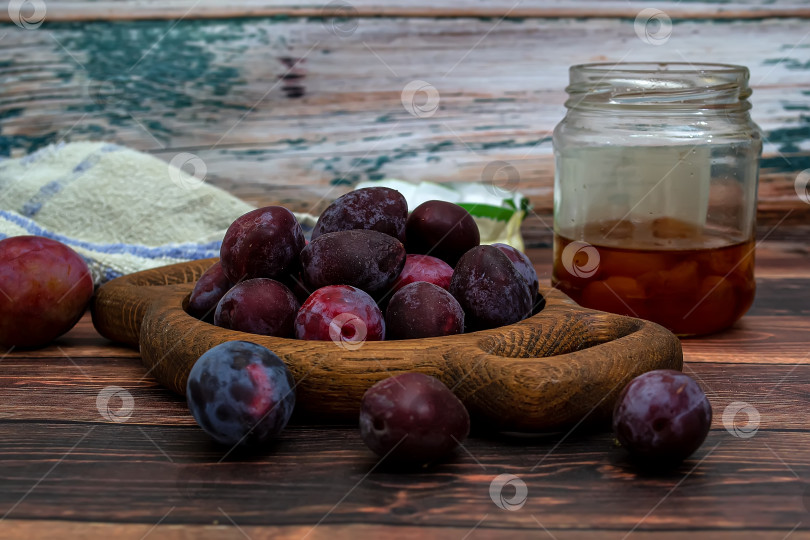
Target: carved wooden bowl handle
pixel 554 369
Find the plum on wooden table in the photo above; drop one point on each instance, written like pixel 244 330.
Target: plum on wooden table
pixel 240 393
pixel 44 290
pixel 412 418
pixel 662 416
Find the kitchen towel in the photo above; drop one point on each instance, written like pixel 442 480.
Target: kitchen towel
pixel 126 211
pixel 120 209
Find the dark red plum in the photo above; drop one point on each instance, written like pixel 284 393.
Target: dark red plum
pixel 662 416
pixel 207 293
pixel 523 265
pixel 340 313
pixel 442 229
pixel 368 260
pixel 259 306
pixel 490 289
pixel 421 310
pixel 44 290
pixel 412 418
pixel 240 393
pixel 264 243
pixel 424 268
pixel 378 209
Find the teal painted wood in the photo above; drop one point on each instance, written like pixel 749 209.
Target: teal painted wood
pixel 296 110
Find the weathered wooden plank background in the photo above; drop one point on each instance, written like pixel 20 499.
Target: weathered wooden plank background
pixel 61 10
pixel 285 103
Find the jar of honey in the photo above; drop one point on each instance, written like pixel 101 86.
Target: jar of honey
pixel 655 192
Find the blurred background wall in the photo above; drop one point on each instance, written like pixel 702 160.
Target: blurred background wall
pixel 282 102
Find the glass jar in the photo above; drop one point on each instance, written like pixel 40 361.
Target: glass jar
pixel 655 190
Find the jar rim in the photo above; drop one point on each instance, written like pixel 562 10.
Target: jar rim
pixel 680 68
pixel 673 86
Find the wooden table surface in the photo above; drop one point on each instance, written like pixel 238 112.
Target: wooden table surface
pixel 70 466
pixel 285 103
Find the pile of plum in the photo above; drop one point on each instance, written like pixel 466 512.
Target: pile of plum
pixel 431 277
pixel 427 271
pixel 370 272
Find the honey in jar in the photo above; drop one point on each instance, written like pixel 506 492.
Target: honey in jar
pixel 666 271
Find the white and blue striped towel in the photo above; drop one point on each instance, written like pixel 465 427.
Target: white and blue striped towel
pixel 126 211
pixel 122 210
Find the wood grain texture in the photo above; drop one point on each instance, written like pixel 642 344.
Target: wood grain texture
pixel 271 130
pixel 30 389
pixel 581 482
pixel 83 10
pixel 550 371
pixel 108 478
pixel 48 529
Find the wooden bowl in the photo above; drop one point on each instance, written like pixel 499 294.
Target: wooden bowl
pixel 549 371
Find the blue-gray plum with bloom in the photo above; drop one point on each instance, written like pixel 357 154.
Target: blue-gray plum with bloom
pixel 240 393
